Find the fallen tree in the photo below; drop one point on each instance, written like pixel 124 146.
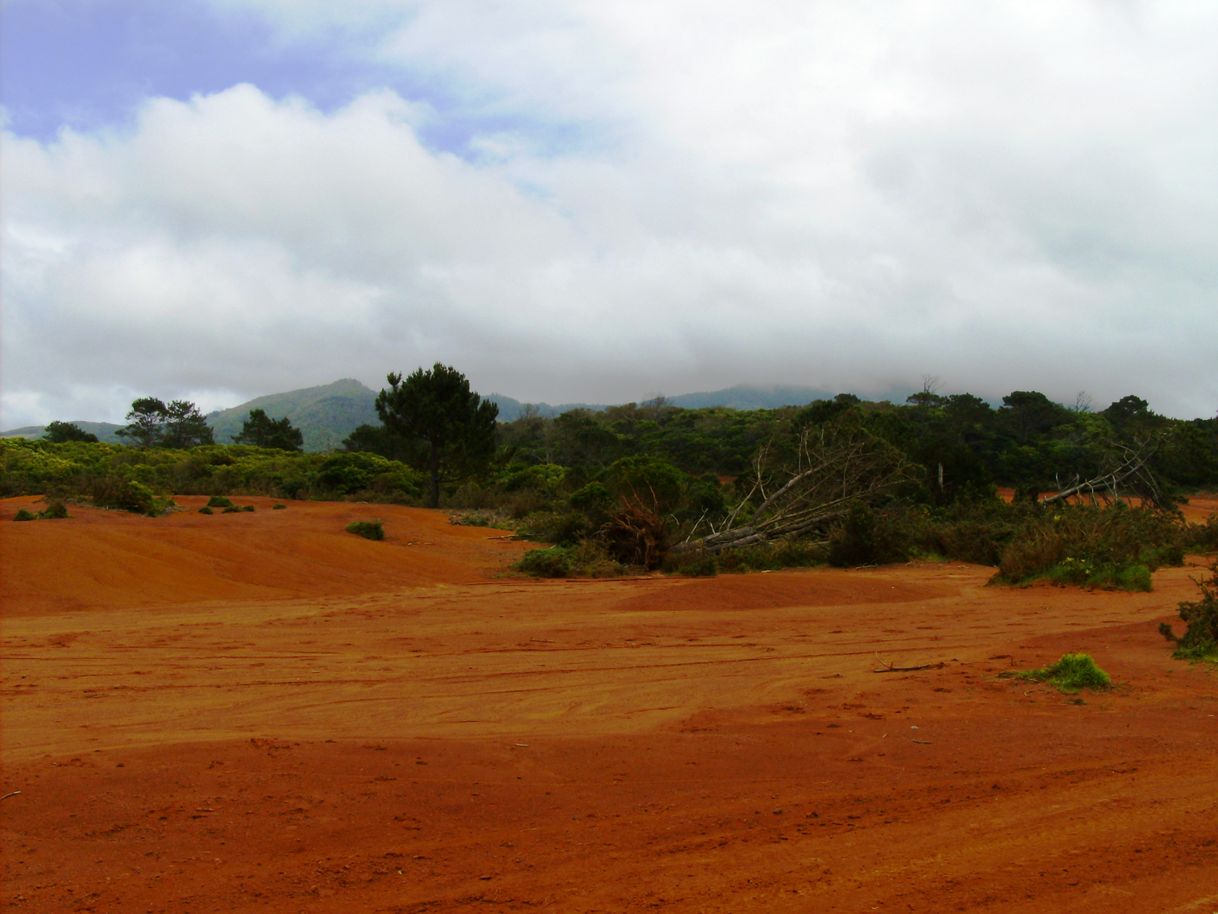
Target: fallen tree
pixel 802 490
pixel 1125 473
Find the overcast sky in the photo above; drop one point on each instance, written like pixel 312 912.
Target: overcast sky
pixel 605 201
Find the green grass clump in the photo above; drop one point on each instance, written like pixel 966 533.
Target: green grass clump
pixel 206 510
pixel 23 514
pixel 231 509
pixel 279 506
pixel 1070 674
pixel 219 501
pixel 247 507
pixel 368 529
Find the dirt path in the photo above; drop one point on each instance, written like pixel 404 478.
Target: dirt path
pixel 260 712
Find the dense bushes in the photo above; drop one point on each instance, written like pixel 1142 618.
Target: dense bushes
pixel 586 560
pixel 126 477
pixel 1115 547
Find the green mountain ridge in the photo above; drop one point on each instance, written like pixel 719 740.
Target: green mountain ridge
pixel 328 413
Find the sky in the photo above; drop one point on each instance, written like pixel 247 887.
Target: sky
pixel 574 200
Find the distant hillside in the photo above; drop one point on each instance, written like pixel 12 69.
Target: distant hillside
pixel 325 415
pixel 105 431
pixel 741 396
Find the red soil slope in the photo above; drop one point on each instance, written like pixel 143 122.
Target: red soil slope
pixel 260 712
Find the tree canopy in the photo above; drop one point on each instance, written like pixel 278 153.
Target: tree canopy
pixel 454 426
pixel 177 425
pixel 261 430
pixel 66 431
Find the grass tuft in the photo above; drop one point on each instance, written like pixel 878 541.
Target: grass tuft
pixel 368 529
pixel 1072 673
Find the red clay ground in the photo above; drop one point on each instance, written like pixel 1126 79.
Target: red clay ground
pixel 260 712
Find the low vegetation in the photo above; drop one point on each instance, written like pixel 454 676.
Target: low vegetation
pixel 650 486
pixel 1072 673
pixel 1200 617
pixel 368 529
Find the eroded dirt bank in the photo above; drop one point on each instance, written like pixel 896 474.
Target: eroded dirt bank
pixel 259 712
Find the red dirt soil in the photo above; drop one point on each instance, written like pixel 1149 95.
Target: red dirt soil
pixel 261 712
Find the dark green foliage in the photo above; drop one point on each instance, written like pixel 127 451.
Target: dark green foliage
pixel 1202 537
pixel 1072 673
pixel 376 439
pixel 73 469
pixel 278 507
pixel 368 529
pixel 247 508
pixel 59 432
pixel 699 564
pixel 219 501
pixel 231 509
pixel 206 510
pixel 559 527
pixel 585 560
pixel 1200 617
pixel 438 409
pixel 470 520
pixel 55 510
pixel 975 532
pixel 552 562
pixel 652 480
pixel 1114 547
pixel 261 430
pixel 774 556
pixel 176 425
pixel 23 514
pixel 869 537
pixel 123 493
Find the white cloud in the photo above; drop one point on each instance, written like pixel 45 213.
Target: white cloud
pixel 654 197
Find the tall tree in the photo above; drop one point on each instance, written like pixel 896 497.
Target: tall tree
pixel 261 430
pixel 152 423
pixel 60 432
pixel 145 421
pixel 185 426
pixel 436 407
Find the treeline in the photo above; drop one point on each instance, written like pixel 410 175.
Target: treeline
pixel 700 490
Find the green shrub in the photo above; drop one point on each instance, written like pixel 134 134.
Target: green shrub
pixel 554 562
pixel 278 506
pixel 564 528
pixel 231 509
pixel 55 510
pixel 1070 674
pixel 219 501
pixel 585 560
pixel 247 508
pixel 368 529
pixel 1200 617
pixel 114 491
pixel 1203 537
pixel 23 514
pixel 1114 547
pixel 469 520
pixel 699 564
pixel 206 510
